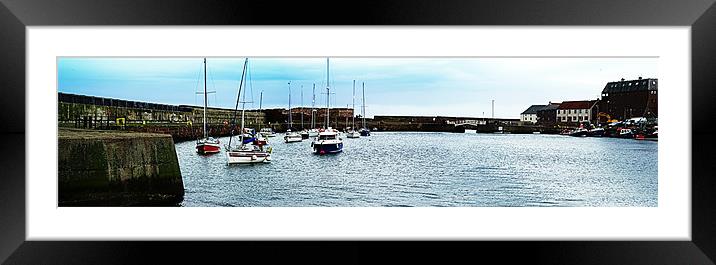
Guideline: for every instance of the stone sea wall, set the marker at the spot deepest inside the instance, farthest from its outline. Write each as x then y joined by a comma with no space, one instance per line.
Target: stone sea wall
114,168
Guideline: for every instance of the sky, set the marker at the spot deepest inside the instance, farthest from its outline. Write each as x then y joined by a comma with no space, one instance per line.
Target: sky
393,86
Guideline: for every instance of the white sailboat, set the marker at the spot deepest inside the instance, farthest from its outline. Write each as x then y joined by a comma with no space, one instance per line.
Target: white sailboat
304,132
313,132
328,141
248,150
291,136
364,131
352,133
265,132
260,137
207,145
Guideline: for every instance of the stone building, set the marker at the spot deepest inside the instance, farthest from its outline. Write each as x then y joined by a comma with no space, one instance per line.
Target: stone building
627,99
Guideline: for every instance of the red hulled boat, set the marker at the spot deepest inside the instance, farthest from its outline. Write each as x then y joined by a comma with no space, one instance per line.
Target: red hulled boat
207,145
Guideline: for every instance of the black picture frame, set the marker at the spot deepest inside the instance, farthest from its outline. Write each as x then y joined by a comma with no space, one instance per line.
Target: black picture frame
15,15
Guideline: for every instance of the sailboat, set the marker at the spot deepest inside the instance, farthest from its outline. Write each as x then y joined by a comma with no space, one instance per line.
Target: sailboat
291,137
260,138
304,132
352,133
207,145
327,141
313,132
364,131
247,151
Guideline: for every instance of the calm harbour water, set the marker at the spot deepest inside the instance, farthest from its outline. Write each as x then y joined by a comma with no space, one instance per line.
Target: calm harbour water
431,169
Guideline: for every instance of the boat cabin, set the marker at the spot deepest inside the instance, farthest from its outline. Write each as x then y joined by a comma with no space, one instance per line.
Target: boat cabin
327,136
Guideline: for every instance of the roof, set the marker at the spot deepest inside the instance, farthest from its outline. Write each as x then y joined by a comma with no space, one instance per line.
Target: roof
533,109
552,106
631,85
583,104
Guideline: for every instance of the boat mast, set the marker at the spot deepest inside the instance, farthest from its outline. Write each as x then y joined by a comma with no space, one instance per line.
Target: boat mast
206,135
301,107
328,95
243,104
354,105
243,111
233,123
363,105
313,108
290,120
261,100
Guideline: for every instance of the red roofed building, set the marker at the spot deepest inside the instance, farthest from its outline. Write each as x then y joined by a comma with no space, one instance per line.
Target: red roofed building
574,112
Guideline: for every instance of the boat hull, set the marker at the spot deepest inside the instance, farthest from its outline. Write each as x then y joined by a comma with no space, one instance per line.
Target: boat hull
207,148
327,148
293,138
261,142
596,133
239,157
353,135
304,136
579,134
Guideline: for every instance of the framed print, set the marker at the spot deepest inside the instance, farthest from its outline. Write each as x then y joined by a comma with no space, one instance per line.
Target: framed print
124,105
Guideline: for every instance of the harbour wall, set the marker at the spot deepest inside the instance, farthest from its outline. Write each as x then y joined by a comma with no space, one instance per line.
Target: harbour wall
181,122
456,124
115,168
185,123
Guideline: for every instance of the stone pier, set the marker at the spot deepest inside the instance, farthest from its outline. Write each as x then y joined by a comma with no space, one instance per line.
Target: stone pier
116,168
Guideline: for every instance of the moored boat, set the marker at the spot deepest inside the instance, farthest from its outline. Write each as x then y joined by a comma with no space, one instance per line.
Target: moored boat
313,132
625,133
250,150
292,137
579,132
351,133
364,131
328,141
304,134
207,145
267,132
596,132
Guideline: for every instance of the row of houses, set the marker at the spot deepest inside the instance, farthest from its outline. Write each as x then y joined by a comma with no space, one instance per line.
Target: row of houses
620,100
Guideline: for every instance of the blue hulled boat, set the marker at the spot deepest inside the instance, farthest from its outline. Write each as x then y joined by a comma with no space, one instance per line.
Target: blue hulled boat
327,142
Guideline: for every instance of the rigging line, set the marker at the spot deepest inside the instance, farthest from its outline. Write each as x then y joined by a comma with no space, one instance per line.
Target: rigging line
251,85
213,83
238,97
198,80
